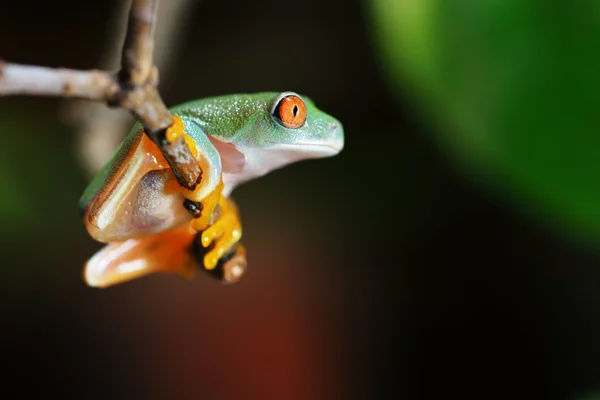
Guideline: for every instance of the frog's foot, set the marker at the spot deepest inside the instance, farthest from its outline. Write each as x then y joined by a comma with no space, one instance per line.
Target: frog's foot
230,268
222,235
176,131
165,252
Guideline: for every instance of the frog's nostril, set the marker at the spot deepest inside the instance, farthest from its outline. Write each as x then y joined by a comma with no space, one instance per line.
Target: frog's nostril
334,126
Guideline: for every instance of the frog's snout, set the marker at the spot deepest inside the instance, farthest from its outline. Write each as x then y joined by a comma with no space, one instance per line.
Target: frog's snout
336,141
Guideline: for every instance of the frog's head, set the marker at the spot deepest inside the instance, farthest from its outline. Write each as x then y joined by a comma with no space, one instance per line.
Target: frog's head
294,125
273,130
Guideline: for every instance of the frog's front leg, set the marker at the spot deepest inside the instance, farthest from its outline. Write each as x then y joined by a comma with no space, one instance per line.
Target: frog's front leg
223,234
219,226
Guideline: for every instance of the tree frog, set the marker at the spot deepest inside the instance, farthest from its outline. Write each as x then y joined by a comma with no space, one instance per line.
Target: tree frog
151,224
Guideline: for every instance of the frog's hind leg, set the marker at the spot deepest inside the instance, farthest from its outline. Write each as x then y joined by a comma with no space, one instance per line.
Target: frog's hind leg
166,252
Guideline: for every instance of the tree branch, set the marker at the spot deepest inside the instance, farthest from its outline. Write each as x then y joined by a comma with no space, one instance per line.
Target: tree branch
101,128
134,88
136,59
42,81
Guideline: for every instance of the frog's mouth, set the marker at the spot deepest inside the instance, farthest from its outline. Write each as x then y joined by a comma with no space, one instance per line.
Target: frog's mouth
309,149
316,150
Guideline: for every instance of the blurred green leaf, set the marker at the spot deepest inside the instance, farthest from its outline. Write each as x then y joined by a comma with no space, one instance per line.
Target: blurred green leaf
513,87
13,202
591,396
38,179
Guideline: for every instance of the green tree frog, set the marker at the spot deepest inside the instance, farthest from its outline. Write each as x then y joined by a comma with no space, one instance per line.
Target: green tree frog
151,224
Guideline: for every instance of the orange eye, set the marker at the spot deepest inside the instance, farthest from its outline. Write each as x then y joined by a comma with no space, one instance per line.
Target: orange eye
290,111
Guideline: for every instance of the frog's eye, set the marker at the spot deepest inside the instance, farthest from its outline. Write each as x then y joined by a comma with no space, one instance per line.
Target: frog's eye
290,111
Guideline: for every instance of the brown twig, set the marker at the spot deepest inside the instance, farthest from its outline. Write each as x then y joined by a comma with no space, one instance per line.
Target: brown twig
41,81
136,59
134,88
101,128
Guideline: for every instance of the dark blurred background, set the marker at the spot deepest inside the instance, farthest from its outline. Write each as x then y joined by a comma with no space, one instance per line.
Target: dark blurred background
451,249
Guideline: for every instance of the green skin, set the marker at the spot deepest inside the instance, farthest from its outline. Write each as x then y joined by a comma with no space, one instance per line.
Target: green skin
239,138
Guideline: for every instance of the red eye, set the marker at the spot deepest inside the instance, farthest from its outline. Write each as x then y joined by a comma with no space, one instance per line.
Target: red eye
290,111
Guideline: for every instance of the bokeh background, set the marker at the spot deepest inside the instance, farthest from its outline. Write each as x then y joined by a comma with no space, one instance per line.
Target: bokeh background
450,250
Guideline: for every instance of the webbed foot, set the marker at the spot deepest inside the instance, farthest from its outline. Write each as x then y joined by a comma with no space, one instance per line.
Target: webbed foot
230,268
222,235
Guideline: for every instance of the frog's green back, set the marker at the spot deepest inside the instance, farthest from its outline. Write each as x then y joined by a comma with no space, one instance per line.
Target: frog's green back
225,116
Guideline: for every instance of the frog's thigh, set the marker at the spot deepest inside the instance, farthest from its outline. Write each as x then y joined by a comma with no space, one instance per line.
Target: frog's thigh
166,252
